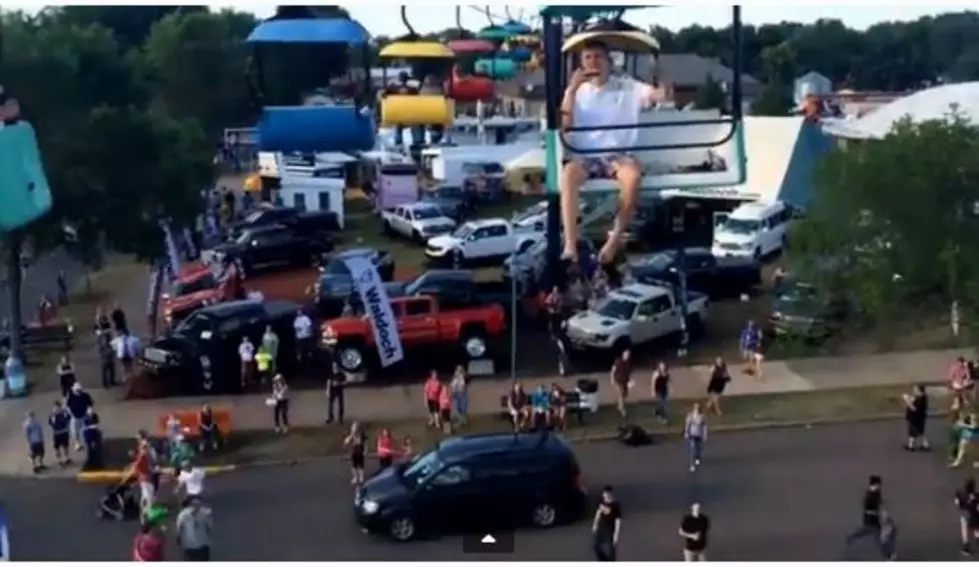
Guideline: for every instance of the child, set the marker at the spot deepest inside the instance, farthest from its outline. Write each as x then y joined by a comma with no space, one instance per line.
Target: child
407,450
35,441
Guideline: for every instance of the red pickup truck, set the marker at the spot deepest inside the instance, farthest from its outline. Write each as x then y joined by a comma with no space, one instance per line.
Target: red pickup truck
421,325
195,289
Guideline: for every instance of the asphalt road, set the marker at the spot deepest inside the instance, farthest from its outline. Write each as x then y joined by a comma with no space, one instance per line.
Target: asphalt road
784,495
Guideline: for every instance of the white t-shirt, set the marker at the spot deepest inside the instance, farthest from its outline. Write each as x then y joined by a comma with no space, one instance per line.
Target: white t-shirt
619,101
192,481
303,327
246,351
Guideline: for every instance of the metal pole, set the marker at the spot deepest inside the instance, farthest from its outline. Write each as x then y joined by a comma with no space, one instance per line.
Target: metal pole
513,316
16,381
553,67
681,276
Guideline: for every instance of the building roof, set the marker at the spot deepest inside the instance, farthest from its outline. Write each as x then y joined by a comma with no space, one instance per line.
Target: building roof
930,104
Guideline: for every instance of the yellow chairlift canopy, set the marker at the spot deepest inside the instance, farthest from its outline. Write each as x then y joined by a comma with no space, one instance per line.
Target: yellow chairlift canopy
628,41
416,50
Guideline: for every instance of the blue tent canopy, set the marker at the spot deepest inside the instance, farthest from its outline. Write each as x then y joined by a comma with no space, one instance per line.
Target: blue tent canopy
517,28
494,33
315,30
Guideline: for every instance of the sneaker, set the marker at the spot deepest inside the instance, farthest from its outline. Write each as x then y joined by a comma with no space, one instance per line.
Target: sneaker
693,468
697,462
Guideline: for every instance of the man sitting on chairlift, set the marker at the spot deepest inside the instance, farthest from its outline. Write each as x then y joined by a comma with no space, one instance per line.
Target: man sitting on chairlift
597,97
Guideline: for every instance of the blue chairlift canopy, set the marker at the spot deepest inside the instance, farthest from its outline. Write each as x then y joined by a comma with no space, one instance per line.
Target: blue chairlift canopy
521,54
313,30
494,33
583,12
517,28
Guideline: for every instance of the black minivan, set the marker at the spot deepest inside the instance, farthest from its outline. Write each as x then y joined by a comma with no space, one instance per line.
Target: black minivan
476,483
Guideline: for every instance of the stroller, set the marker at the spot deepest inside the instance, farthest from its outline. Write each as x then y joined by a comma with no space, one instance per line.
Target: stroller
119,503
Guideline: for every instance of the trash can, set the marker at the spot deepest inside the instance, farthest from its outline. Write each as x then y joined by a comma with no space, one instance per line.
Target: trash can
588,394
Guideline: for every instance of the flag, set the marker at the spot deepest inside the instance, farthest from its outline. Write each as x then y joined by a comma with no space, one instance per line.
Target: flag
173,255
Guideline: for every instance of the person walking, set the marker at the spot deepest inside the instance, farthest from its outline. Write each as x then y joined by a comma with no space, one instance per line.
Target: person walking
107,357
66,375
190,481
916,416
431,391
445,409
118,317
559,338
263,363
92,433
385,449
694,528
870,520
336,382
150,544
661,392
246,354
621,378
280,404
34,433
270,342
459,388
716,384
695,434
967,503
302,326
888,536
751,349
60,423
78,403
195,523
356,442
606,526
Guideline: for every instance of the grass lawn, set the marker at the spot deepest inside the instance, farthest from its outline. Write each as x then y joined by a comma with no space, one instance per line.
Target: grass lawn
247,447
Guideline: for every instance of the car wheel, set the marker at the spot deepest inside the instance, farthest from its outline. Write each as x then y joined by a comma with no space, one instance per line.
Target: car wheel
544,515
758,253
388,231
350,357
474,345
695,325
458,259
417,237
401,528
524,247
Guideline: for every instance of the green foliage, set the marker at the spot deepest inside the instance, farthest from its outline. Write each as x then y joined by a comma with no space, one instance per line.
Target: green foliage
892,223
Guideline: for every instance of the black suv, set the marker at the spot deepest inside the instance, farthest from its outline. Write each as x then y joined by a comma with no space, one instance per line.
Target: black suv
476,484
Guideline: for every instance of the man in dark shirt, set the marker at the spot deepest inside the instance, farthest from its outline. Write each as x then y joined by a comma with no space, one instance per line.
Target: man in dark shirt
621,379
107,358
694,528
967,501
873,504
606,526
661,392
335,383
916,414
118,317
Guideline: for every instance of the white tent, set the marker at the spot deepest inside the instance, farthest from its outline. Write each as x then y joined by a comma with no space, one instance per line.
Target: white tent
931,104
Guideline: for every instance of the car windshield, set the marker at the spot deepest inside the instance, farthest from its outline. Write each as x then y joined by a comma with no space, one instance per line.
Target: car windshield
200,283
421,469
659,261
463,231
741,226
254,216
797,292
532,211
425,213
196,326
617,308
450,192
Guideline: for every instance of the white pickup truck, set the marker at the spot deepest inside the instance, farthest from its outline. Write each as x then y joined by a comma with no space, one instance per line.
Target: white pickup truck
481,241
633,315
417,221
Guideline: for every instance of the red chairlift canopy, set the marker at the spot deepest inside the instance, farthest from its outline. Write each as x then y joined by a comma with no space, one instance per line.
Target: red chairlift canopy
461,46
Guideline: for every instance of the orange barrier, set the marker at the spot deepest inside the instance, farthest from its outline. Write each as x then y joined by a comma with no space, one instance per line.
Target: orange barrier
190,419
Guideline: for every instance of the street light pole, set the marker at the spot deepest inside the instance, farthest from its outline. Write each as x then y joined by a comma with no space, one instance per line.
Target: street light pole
513,316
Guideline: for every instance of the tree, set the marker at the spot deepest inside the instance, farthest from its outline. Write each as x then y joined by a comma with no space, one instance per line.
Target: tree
211,90
892,223
710,95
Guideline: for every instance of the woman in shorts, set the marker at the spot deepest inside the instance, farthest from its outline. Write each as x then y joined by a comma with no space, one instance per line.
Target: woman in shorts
432,388
355,442
445,408
621,379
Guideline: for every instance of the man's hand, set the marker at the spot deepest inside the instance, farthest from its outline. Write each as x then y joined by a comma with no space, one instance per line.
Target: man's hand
652,95
578,78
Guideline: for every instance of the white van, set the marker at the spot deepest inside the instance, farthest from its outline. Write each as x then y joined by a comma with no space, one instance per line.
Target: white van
753,229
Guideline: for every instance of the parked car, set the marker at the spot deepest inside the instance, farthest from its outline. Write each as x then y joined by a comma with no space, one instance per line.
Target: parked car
455,289
453,200
302,221
422,325
477,483
530,266
633,315
481,241
334,286
417,221
200,355
755,230
188,293
724,276
273,246
802,310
